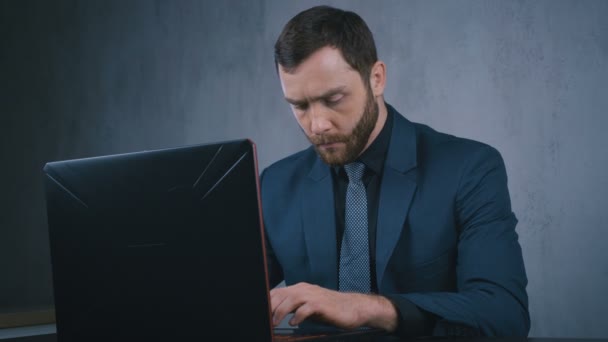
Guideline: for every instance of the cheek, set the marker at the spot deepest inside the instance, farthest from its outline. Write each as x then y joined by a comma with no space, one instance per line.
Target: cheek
351,111
349,119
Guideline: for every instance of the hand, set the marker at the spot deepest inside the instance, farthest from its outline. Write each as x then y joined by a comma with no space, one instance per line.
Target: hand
344,310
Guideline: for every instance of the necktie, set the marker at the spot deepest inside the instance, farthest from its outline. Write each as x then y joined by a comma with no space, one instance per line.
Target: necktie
354,272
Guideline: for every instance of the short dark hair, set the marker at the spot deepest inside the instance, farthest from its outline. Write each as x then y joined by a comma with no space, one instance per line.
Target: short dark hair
322,26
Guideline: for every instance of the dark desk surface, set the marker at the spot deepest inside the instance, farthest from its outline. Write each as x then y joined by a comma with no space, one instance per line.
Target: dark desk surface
53,338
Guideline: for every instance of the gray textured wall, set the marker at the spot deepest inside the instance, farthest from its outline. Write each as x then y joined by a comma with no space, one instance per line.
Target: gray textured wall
82,78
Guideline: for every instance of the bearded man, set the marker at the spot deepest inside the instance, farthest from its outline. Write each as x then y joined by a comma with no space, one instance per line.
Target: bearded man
383,222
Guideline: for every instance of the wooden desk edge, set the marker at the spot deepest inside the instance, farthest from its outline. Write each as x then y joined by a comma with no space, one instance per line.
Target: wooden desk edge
27,318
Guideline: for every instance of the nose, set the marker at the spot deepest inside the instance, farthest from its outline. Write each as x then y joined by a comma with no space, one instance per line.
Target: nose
319,120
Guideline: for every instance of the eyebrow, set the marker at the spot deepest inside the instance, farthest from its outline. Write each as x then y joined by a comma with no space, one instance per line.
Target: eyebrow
329,93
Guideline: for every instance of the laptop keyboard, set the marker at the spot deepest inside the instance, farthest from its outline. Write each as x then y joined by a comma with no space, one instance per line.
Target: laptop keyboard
295,335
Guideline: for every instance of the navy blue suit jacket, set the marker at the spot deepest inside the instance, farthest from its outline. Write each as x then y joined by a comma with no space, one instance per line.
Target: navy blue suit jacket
445,240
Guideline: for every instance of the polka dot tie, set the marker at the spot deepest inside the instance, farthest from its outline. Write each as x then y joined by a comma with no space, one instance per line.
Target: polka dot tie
354,273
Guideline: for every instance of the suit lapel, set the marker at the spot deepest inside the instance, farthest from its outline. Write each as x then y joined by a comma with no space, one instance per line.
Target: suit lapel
397,190
319,224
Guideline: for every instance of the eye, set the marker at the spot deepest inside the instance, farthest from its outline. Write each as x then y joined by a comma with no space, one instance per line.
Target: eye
300,106
334,99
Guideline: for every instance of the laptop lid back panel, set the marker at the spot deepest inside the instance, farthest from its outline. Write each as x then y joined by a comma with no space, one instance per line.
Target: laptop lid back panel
161,244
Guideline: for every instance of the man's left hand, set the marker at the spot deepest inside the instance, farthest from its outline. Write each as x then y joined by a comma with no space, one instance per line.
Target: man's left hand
343,310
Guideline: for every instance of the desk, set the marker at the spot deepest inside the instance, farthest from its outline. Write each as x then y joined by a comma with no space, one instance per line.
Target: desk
53,338
36,338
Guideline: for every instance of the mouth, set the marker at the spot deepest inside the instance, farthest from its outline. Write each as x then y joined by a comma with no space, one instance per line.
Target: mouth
330,145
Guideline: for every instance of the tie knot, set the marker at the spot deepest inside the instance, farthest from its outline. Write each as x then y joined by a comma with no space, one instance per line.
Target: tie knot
354,171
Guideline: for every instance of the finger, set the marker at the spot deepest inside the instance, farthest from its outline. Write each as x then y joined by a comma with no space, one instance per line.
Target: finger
276,298
276,290
288,305
303,312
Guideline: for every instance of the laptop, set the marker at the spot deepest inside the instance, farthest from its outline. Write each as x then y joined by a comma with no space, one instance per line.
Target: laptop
162,245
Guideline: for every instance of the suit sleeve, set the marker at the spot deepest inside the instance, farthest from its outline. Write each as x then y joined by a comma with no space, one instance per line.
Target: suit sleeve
275,272
491,297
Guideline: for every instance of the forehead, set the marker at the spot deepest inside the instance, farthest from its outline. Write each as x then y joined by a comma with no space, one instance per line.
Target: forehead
324,69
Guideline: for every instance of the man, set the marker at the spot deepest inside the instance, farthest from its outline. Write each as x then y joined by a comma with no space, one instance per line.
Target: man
383,222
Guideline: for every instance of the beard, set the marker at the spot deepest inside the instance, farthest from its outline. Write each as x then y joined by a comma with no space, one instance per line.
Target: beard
354,142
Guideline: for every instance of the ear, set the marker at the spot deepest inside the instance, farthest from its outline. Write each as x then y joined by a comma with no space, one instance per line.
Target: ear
377,78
